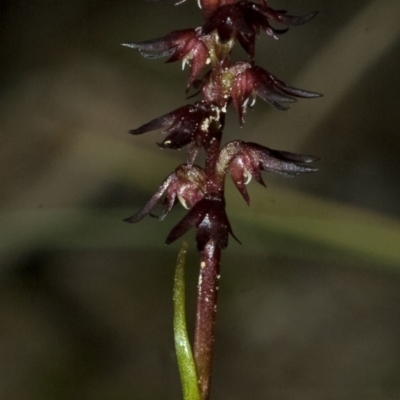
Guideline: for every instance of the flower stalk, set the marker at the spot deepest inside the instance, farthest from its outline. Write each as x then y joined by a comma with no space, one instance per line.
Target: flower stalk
197,127
206,315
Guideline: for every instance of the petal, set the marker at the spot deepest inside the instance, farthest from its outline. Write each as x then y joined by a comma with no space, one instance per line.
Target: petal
157,123
284,163
152,202
290,19
294,91
274,91
248,42
163,43
255,171
288,169
169,202
274,98
153,56
242,87
236,170
298,158
154,45
204,233
180,114
210,6
215,225
182,132
194,174
191,219
180,51
199,59
179,136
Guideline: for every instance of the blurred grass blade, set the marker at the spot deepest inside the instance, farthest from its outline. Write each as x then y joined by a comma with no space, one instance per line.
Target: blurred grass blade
187,368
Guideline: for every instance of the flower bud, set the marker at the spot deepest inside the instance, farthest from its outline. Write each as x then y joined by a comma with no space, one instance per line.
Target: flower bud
243,20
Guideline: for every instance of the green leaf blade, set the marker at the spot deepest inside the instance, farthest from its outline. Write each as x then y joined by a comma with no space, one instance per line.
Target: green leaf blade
187,368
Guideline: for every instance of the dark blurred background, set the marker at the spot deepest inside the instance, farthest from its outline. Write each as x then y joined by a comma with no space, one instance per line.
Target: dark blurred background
309,304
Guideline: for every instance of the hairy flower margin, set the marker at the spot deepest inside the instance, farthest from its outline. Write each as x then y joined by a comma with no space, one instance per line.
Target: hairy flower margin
200,125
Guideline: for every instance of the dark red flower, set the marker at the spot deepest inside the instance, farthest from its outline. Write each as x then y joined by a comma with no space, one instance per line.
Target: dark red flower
187,184
245,160
242,81
243,21
209,218
187,125
255,81
209,6
183,45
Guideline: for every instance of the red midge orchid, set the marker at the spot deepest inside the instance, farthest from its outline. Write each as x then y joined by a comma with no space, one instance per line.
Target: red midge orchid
186,45
207,50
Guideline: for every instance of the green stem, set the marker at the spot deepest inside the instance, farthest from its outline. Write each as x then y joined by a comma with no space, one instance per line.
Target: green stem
187,368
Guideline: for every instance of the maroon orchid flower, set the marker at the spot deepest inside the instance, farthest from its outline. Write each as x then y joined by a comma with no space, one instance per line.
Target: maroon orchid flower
183,45
187,125
210,6
187,184
255,81
209,218
245,160
242,81
243,21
